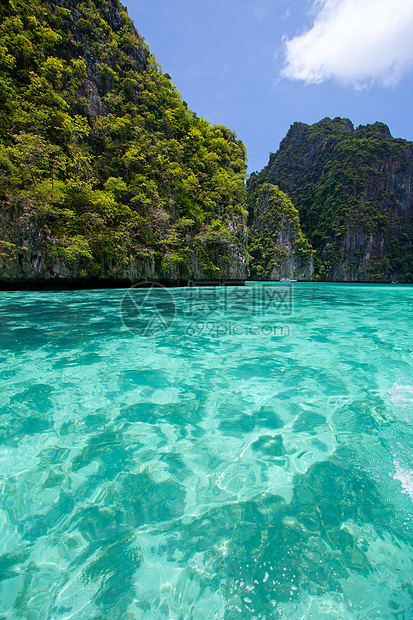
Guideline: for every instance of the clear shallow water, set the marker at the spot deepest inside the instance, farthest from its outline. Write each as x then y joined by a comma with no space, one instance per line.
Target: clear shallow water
254,460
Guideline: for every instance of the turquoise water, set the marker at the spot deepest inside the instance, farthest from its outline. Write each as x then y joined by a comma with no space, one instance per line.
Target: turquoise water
207,453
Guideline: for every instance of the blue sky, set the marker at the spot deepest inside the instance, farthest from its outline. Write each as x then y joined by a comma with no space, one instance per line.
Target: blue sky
257,66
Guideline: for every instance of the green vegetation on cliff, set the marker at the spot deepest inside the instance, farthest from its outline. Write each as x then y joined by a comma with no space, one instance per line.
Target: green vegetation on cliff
101,163
352,189
274,234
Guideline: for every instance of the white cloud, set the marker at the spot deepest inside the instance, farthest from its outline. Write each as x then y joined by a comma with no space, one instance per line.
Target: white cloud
353,41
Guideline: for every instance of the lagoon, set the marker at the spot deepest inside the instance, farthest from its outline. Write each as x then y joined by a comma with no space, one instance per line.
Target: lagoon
201,453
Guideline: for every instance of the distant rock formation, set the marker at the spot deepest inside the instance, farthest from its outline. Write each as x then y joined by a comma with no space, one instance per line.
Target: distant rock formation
278,249
353,190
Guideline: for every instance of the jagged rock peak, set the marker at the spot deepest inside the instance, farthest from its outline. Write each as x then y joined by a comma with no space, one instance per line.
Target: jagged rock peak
326,124
375,129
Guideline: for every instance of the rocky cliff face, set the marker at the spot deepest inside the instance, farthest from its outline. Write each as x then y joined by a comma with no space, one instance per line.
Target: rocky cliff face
353,189
27,258
105,175
277,246
289,263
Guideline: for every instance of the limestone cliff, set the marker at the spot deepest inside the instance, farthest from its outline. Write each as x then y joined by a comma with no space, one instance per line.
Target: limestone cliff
278,249
353,189
105,175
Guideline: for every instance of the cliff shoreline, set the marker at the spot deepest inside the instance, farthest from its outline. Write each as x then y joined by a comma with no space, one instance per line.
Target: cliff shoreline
77,284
